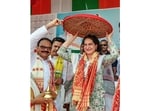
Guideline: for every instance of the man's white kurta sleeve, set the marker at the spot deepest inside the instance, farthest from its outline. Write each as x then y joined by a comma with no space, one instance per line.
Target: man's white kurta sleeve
35,37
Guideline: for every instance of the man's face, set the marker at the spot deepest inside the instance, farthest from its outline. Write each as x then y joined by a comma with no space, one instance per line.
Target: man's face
104,46
55,47
44,49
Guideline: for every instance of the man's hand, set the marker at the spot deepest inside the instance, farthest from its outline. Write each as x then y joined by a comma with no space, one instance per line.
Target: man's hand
74,102
40,99
58,81
53,23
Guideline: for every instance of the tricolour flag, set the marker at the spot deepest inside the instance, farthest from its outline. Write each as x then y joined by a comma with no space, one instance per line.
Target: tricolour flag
56,6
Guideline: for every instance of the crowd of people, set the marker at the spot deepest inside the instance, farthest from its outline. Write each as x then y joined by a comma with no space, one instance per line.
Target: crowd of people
81,80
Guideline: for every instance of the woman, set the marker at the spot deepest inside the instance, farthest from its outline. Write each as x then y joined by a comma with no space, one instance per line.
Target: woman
88,92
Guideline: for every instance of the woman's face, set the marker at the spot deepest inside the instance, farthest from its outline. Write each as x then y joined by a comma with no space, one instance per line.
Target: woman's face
89,46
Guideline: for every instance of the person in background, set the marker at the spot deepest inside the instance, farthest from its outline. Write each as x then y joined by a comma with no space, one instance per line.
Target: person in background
42,71
116,98
114,68
87,88
108,77
61,71
118,65
105,50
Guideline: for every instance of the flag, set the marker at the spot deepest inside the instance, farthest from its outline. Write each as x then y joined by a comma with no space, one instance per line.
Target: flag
84,4
56,6
40,7
108,3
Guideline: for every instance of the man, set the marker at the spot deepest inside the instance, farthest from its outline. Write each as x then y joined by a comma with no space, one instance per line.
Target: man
108,77
41,68
104,50
61,71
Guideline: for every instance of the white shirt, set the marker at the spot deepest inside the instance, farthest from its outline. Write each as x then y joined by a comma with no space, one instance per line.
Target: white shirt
35,37
46,74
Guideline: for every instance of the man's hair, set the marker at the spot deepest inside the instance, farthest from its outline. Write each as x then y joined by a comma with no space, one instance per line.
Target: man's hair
43,39
59,39
104,40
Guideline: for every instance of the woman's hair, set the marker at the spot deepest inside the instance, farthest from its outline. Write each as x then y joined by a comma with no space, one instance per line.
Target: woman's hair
94,39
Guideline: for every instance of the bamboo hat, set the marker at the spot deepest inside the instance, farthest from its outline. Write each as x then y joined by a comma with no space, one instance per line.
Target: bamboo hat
86,24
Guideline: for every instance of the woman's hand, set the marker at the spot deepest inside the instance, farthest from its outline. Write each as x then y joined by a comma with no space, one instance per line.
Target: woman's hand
109,36
70,39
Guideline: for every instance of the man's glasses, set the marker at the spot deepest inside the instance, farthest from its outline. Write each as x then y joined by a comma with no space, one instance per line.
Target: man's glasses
103,44
44,47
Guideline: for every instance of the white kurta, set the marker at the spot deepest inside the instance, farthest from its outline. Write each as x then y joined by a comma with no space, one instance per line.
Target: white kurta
36,93
35,37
